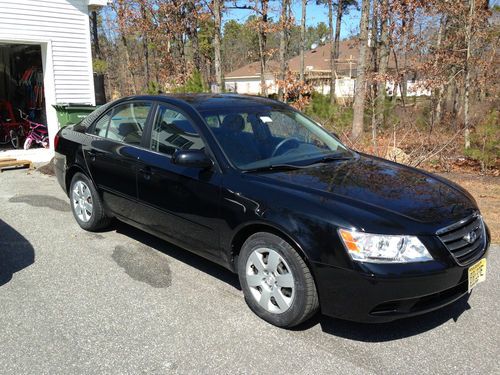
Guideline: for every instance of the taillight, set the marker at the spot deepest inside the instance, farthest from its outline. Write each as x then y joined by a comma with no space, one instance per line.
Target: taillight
56,141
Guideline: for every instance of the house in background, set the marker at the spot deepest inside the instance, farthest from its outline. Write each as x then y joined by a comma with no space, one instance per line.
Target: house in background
45,56
246,80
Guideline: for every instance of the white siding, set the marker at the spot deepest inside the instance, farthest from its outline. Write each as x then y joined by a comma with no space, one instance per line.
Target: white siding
64,24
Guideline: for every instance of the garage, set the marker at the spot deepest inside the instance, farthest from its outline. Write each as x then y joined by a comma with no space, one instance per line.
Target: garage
22,94
45,60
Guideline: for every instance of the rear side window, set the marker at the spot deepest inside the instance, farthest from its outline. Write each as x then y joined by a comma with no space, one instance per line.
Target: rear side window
125,123
172,131
101,126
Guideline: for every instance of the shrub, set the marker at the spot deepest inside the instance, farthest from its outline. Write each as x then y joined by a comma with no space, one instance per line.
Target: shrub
485,141
334,117
193,84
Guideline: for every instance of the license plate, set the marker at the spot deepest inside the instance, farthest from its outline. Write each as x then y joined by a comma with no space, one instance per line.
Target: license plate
477,273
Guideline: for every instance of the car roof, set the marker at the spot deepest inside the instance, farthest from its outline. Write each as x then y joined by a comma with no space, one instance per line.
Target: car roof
207,102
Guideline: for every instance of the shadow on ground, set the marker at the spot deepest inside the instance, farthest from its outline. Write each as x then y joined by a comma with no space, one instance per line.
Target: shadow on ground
16,252
182,255
350,330
396,330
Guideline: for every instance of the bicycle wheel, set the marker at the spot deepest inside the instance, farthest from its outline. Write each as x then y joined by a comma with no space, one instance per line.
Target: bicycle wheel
27,143
14,138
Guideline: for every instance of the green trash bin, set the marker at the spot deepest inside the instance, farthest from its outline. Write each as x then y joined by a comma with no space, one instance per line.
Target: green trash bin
73,113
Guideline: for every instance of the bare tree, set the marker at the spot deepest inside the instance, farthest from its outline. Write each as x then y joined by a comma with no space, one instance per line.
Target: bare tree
302,40
217,11
359,98
384,51
262,32
468,43
284,25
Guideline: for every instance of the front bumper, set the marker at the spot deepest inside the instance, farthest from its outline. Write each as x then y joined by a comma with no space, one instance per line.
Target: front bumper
387,292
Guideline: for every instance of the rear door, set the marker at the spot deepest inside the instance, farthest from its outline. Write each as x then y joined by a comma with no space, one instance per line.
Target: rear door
112,157
179,203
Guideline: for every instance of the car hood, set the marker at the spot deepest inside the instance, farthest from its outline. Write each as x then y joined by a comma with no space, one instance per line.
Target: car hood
378,184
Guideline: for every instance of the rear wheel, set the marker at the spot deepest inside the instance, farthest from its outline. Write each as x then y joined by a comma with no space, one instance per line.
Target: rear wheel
14,139
86,204
277,284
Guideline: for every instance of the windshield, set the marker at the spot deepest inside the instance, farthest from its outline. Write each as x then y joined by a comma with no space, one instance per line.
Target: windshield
254,139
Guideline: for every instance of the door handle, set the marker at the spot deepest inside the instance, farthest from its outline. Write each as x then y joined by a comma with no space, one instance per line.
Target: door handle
92,155
146,172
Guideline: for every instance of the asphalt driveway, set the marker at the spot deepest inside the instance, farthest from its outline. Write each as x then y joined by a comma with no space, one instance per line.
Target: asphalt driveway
122,301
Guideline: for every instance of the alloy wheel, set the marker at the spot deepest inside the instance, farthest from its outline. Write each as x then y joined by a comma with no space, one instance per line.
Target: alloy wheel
82,201
270,280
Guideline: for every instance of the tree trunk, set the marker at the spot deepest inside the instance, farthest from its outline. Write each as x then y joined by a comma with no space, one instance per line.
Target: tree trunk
374,69
468,41
336,46
384,51
95,35
283,48
193,35
262,46
145,46
439,92
359,97
332,57
302,40
217,4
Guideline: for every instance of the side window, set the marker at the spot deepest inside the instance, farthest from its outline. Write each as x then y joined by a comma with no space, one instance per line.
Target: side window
172,131
101,126
126,123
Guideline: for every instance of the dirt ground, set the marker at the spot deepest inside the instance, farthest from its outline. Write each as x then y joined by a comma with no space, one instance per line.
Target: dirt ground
486,191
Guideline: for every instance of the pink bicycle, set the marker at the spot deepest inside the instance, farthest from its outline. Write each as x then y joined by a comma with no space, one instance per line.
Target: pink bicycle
38,133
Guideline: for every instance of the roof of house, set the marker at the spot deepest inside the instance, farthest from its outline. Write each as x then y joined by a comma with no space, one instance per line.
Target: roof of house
316,60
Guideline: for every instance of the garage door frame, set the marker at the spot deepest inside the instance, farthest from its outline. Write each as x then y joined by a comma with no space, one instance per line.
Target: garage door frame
48,79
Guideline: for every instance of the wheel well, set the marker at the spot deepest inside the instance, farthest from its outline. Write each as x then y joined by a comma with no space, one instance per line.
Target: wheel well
240,238
69,175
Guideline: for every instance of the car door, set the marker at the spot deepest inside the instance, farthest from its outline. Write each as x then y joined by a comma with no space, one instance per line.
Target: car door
112,157
179,203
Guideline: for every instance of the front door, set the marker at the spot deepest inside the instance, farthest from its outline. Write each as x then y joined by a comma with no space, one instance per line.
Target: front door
112,157
179,203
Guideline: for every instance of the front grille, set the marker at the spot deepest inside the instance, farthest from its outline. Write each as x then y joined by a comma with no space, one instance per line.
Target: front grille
465,240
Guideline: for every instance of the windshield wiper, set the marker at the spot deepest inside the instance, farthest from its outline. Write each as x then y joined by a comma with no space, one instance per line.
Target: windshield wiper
330,158
273,167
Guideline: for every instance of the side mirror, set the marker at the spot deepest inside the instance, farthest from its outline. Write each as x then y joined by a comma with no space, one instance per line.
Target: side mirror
192,159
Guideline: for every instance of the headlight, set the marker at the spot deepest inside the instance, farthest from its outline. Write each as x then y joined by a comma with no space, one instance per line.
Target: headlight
381,248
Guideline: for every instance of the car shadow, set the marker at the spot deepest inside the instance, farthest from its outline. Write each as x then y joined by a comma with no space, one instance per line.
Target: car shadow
342,328
16,252
178,253
381,332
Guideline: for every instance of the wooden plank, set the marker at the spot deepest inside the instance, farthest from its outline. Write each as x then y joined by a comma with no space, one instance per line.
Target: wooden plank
14,164
7,159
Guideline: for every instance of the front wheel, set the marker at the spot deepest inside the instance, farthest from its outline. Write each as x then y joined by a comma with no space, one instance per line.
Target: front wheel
86,204
277,284
27,143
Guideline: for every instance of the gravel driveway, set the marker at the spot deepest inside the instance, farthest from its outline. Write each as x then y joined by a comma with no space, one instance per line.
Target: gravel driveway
122,302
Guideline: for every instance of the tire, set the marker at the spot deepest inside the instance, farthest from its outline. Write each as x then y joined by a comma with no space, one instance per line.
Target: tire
14,138
282,291
20,131
27,143
86,204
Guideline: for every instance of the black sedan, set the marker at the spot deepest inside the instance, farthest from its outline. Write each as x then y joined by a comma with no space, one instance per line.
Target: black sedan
256,186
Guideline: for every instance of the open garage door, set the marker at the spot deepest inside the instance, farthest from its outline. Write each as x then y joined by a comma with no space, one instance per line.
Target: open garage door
22,96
